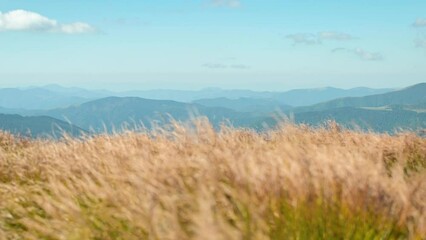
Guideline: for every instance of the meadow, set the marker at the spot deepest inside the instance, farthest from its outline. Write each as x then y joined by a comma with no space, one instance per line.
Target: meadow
190,181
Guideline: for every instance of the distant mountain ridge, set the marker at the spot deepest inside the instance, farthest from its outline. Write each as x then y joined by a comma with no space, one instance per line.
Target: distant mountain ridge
55,96
77,92
385,112
298,97
35,99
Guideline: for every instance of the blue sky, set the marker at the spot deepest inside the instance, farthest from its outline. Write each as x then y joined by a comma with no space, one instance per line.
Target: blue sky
192,44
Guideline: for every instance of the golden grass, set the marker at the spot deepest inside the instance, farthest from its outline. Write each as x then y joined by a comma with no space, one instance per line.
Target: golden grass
196,183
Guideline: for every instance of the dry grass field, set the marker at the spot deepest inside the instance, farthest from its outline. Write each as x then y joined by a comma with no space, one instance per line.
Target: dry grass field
192,182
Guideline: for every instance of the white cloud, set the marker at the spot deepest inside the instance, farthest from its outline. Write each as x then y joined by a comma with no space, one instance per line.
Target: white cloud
215,65
420,22
21,20
76,28
239,66
368,56
226,3
362,54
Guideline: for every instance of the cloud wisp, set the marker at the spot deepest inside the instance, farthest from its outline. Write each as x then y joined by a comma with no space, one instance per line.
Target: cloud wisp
26,21
362,54
226,3
226,66
126,22
335,36
326,36
420,22
420,43
304,38
318,38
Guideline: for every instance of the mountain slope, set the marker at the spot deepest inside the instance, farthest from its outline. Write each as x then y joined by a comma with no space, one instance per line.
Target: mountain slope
37,126
408,96
245,104
77,92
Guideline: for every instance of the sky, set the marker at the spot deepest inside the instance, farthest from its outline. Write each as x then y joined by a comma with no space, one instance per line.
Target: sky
194,44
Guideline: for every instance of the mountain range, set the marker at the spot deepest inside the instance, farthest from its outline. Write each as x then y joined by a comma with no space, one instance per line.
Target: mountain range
75,109
113,113
298,97
55,96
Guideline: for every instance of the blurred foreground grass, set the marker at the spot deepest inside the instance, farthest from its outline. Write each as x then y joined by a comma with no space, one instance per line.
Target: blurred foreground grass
293,182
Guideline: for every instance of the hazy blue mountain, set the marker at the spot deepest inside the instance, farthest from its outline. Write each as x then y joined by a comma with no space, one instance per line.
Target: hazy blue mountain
376,120
35,98
189,96
37,126
55,96
380,112
112,112
408,96
252,105
78,92
17,111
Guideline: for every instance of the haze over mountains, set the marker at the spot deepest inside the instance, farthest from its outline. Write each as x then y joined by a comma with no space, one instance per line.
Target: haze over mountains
112,112
36,99
381,110
55,96
37,126
245,104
